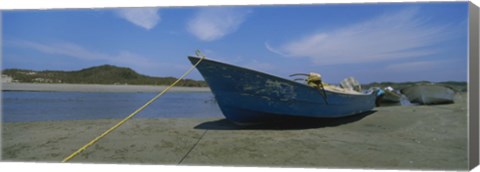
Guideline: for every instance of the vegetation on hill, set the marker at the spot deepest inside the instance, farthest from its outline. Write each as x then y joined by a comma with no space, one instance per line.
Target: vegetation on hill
105,74
455,85
109,74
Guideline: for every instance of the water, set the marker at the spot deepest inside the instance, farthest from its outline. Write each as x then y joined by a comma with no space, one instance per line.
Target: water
48,106
405,102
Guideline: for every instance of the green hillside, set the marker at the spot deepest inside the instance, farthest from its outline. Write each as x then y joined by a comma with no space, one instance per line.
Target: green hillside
457,86
109,74
105,74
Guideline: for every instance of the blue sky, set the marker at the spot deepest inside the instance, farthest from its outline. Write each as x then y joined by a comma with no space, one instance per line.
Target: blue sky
371,42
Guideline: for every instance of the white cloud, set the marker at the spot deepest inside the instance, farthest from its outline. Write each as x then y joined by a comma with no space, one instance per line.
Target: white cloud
213,23
391,36
271,49
75,51
143,17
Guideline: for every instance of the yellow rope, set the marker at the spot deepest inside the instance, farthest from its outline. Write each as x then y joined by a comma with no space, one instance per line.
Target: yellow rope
133,114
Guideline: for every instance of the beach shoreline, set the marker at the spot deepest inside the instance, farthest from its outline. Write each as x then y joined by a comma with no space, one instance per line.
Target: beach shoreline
394,137
95,88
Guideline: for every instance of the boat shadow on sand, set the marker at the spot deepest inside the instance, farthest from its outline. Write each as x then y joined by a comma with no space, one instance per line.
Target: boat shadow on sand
286,123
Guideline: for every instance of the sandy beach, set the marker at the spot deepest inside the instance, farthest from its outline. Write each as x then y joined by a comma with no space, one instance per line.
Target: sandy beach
95,88
395,137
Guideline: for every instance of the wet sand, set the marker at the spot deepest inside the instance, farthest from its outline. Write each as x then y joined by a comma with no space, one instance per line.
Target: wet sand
394,137
95,88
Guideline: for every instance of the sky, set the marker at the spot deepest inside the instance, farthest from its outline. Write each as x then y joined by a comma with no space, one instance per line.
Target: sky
375,42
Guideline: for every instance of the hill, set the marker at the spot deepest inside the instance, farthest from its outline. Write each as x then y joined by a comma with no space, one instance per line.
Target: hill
457,86
104,74
109,74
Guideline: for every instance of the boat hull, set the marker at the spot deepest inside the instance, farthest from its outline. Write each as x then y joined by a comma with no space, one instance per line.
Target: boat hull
391,97
429,94
246,96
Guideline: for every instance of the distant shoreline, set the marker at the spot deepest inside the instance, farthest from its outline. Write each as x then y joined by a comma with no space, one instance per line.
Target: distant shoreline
94,88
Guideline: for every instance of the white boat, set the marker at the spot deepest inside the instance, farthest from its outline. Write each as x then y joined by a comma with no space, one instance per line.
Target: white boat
391,96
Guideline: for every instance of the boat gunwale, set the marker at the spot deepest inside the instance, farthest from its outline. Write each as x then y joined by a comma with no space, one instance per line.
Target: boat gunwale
279,78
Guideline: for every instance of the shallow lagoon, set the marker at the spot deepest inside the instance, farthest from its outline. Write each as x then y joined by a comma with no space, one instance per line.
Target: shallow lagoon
48,106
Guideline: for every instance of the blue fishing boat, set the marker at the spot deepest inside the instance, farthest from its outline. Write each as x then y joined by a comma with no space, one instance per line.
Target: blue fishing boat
247,96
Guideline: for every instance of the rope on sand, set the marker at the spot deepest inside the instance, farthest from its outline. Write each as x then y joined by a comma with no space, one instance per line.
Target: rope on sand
195,145
132,114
